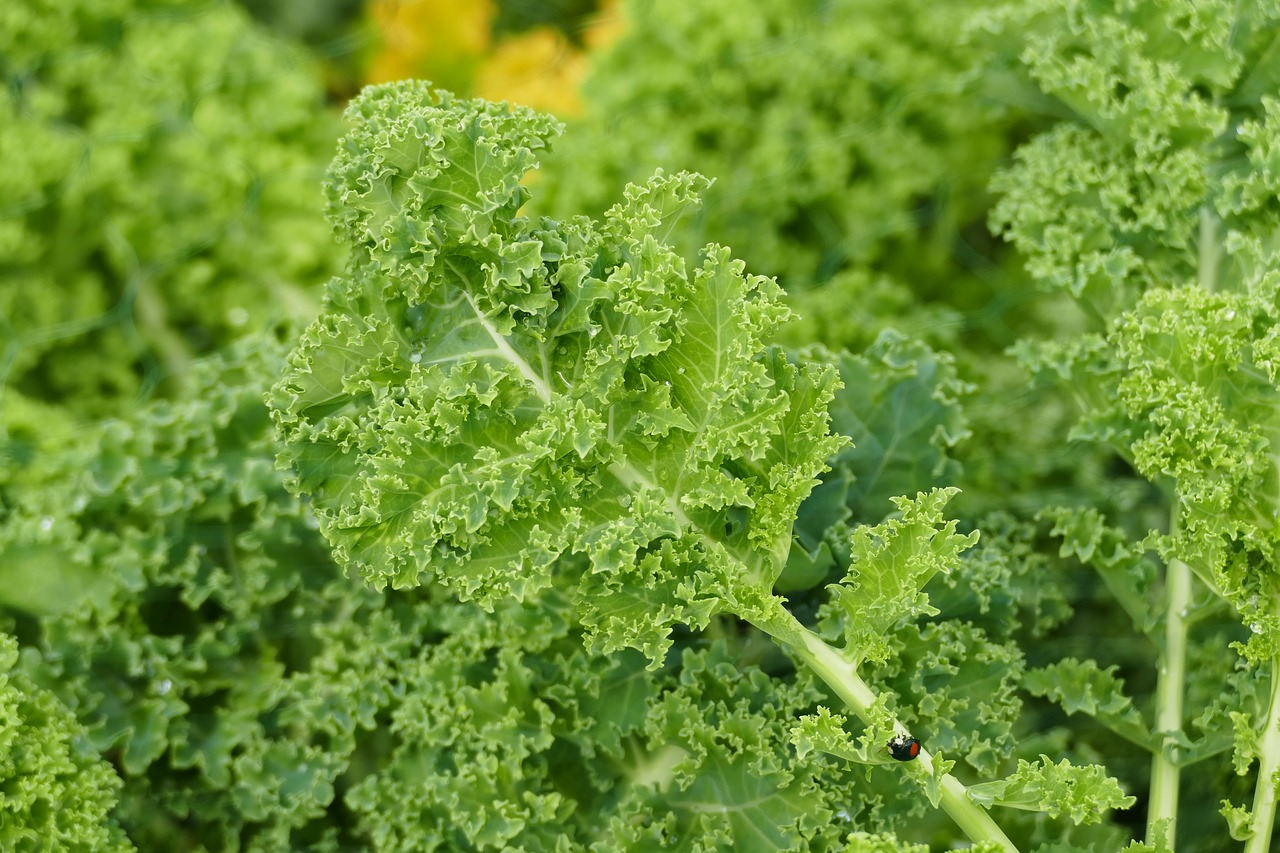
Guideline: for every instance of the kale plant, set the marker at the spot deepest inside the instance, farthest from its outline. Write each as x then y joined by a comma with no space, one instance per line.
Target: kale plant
555,530
505,406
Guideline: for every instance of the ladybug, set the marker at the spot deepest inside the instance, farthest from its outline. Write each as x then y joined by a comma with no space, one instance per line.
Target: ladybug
904,748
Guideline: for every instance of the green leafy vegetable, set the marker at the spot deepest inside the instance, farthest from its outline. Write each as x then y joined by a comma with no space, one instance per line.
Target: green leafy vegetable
560,529
1152,203
58,794
507,406
1082,793
158,198
811,178
572,390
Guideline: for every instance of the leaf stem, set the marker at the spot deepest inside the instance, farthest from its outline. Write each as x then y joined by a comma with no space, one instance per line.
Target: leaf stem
1210,251
1162,813
1264,795
842,677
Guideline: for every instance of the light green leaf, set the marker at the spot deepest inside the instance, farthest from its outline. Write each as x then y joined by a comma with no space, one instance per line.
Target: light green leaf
58,794
485,395
1082,687
890,564
1081,794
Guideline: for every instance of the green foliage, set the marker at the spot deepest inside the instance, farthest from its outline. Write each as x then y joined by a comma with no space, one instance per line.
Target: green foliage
1215,354
600,418
563,532
899,403
57,792
248,690
1166,102
158,198
1152,203
889,566
901,408
810,177
188,613
1081,793
861,842
572,389
253,696
1081,687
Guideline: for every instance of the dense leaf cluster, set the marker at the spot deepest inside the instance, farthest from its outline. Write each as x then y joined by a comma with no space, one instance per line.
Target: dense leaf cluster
158,197
250,695
58,793
511,393
556,529
1153,203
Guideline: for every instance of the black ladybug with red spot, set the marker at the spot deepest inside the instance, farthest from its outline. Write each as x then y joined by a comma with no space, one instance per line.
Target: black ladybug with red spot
904,748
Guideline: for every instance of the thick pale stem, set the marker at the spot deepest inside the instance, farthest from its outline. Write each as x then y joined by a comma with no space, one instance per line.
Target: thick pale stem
1210,251
841,676
1165,774
1264,796
1162,812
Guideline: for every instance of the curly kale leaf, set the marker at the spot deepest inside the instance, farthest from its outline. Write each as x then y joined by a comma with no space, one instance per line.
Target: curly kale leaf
889,567
1163,102
1152,202
484,395
179,599
183,604
58,794
1202,386
1081,794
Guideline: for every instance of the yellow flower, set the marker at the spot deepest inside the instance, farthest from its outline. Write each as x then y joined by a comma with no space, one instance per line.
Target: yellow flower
604,27
538,68
439,40
450,43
